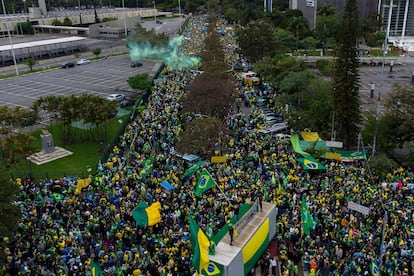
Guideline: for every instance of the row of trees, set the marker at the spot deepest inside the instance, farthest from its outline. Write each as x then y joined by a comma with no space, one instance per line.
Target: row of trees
287,31
12,142
91,110
207,101
331,101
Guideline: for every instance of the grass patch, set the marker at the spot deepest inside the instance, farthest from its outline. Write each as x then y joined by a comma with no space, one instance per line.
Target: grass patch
84,156
82,162
28,72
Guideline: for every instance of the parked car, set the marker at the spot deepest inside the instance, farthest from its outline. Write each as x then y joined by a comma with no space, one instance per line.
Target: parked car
136,64
276,128
82,61
282,138
68,64
242,66
116,97
127,102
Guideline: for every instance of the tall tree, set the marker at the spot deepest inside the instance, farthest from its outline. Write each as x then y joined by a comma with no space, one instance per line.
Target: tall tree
9,212
256,40
346,81
326,25
298,25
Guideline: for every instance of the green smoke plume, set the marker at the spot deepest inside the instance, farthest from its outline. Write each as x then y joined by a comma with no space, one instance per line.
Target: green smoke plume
170,53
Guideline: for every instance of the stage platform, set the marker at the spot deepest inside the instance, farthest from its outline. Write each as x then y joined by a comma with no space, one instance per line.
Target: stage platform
249,244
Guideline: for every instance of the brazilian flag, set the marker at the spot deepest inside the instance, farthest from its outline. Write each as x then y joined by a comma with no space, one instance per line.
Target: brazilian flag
191,170
307,220
310,163
96,269
147,166
200,245
205,181
374,268
211,269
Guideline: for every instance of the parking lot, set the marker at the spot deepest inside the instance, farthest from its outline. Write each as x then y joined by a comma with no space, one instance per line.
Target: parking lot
101,78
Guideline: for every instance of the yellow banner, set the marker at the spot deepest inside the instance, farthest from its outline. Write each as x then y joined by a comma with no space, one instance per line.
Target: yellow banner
256,241
153,213
333,155
310,136
218,159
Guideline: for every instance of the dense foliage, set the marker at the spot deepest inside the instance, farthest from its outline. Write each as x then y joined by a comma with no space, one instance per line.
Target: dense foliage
346,78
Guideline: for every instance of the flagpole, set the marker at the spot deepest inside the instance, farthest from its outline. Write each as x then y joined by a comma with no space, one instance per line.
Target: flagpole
228,200
384,226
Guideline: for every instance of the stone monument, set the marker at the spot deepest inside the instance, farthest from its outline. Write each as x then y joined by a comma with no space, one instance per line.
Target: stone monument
47,142
49,151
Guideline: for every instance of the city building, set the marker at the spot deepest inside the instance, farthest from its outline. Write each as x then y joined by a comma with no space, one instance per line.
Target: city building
366,8
397,21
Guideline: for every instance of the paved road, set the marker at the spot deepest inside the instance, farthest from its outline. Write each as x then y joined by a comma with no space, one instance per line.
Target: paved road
383,80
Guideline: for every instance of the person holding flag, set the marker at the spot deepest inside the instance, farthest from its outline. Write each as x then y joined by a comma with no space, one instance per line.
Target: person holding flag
307,220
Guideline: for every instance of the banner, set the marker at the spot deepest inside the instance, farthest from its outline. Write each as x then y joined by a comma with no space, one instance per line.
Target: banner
218,159
310,136
294,139
358,207
350,156
255,247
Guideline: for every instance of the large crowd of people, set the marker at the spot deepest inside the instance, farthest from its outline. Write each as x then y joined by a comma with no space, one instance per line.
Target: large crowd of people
66,229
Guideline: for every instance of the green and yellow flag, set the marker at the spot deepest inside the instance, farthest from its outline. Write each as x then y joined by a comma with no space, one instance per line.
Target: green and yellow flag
191,170
145,215
205,181
307,221
96,269
147,166
310,163
200,245
374,268
211,269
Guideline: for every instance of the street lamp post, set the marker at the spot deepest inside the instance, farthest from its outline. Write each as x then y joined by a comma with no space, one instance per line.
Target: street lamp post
10,40
374,142
372,89
391,65
125,27
155,14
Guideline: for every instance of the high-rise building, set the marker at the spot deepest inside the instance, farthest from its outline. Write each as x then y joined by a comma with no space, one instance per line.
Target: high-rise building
366,8
398,21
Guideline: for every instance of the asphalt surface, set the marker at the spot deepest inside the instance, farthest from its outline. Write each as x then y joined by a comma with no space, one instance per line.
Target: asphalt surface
384,79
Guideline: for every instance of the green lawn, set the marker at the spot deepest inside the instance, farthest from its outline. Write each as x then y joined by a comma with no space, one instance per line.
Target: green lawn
82,162
84,156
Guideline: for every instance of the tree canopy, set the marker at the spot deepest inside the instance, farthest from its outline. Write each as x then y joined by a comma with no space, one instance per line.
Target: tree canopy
86,108
9,210
346,83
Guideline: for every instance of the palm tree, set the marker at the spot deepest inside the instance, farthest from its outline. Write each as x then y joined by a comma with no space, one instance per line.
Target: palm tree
297,25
